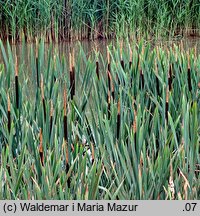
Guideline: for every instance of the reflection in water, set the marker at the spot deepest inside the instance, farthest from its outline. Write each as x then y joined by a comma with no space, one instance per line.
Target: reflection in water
63,49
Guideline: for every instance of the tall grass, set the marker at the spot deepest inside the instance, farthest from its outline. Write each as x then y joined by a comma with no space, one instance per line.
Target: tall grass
85,19
142,143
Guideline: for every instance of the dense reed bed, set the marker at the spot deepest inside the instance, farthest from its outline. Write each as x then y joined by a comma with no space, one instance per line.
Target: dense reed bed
121,127
85,19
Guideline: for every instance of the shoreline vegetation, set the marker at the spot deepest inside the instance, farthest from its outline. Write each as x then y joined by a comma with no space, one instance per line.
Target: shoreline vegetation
121,126
69,20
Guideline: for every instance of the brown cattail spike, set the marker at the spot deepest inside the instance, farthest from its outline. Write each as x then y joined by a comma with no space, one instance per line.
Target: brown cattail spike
97,68
66,133
170,77
92,146
141,74
67,164
41,148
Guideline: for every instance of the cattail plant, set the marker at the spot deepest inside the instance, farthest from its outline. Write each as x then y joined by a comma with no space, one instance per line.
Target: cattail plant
65,115
43,98
141,72
9,114
72,74
93,152
167,104
118,118
37,65
170,77
108,70
16,83
109,103
134,124
156,72
189,73
67,166
97,68
51,116
97,61
109,83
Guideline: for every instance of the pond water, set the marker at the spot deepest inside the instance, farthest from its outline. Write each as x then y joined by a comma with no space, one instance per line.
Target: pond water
23,52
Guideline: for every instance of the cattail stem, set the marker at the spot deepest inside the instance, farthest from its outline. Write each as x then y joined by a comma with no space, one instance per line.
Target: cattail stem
157,81
73,81
189,74
66,133
109,70
72,74
65,115
65,127
9,115
51,117
16,83
167,104
37,65
43,98
37,71
109,105
118,119
109,80
134,125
